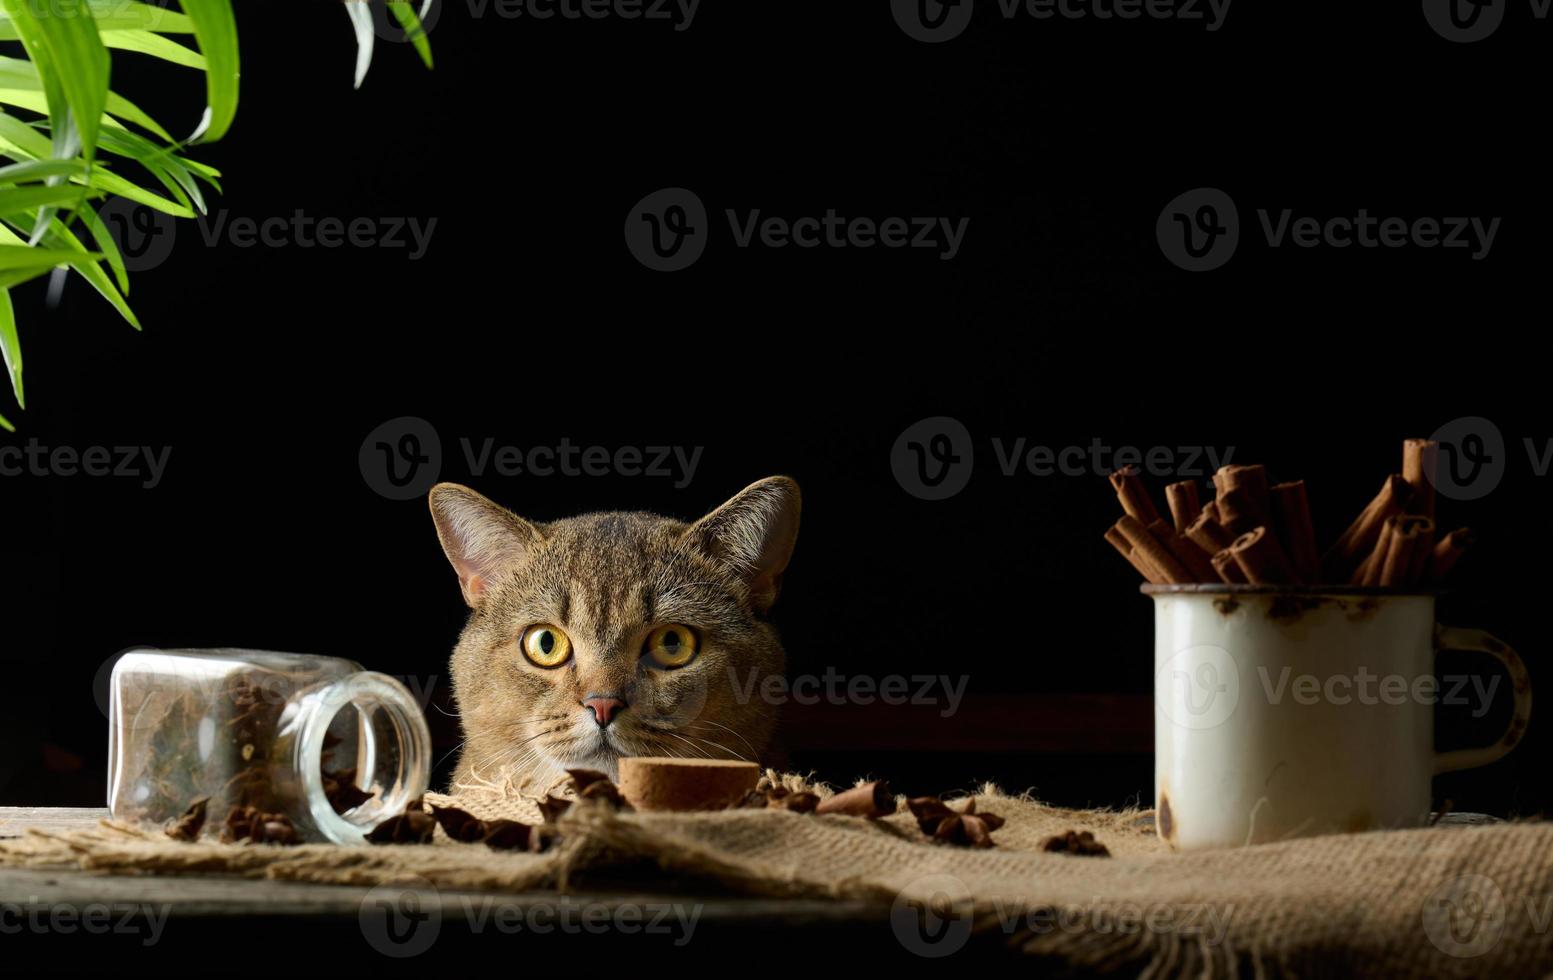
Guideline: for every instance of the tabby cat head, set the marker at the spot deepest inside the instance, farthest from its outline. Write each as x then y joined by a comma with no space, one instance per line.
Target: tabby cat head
613,634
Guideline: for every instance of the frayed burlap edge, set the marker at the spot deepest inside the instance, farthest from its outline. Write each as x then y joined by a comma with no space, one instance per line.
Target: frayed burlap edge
1348,904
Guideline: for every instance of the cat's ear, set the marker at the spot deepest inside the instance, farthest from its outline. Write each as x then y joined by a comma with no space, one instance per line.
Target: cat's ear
479,537
754,533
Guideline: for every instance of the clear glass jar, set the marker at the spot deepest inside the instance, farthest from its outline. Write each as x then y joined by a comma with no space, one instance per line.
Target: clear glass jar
280,732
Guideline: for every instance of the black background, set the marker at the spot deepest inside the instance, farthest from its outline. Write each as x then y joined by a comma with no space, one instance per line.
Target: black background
528,321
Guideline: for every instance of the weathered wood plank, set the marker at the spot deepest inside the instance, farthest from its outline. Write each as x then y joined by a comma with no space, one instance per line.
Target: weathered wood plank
17,820
212,896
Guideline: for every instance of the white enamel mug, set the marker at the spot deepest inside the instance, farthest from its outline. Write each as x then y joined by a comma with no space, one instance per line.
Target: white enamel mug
1284,712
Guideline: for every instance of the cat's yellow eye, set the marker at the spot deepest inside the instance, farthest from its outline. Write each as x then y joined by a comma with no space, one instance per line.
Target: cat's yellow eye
546,645
670,646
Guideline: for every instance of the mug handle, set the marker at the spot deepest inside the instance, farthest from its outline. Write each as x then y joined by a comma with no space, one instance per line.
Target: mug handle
1478,641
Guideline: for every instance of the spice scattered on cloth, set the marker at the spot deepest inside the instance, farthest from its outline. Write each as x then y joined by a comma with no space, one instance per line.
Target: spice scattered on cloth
188,826
1080,842
964,827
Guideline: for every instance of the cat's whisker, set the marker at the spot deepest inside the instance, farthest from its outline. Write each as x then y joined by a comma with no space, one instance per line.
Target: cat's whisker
693,745
722,747
708,721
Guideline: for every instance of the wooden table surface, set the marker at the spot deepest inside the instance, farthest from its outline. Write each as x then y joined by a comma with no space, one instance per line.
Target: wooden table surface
166,924
158,924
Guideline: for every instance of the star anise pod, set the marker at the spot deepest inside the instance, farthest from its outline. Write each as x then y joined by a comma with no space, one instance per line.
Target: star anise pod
802,801
460,825
239,823
188,826
966,827
551,808
251,823
501,835
510,835
413,826
779,798
1075,842
341,791
589,784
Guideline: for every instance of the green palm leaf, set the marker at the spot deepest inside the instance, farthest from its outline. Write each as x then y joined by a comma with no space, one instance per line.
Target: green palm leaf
92,142
215,27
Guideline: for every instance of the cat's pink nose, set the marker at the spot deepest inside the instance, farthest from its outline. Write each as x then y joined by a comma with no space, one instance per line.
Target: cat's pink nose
604,709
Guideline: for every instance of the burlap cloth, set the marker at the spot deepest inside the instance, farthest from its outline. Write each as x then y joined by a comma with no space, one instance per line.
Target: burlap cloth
1461,901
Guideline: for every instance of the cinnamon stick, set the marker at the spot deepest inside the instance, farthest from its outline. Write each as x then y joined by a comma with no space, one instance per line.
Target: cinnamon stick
1208,534
1152,551
1260,557
1359,539
1229,571
1368,572
871,800
1184,506
1296,532
1238,512
1449,551
1408,533
1191,557
1252,483
1134,496
1422,555
1120,543
1420,464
